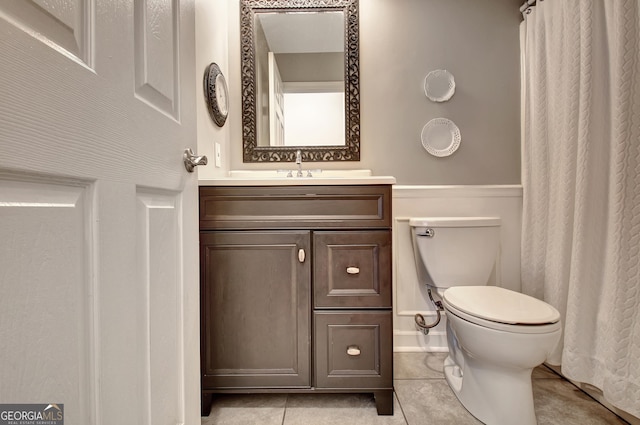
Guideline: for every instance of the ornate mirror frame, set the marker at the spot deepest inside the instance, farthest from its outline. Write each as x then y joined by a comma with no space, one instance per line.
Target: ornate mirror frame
251,151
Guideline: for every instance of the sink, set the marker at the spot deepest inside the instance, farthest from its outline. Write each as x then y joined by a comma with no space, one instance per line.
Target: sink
282,173
279,178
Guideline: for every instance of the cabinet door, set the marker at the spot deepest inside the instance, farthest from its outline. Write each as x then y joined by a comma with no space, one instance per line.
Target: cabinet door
255,309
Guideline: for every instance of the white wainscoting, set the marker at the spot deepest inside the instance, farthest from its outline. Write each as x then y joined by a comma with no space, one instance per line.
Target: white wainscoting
410,296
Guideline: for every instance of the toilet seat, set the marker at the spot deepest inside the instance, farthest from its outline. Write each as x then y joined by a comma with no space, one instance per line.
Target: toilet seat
501,309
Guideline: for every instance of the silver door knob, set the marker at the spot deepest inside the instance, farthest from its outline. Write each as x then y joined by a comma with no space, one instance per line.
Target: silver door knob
191,160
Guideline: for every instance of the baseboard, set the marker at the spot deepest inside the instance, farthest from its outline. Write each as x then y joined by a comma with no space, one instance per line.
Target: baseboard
421,350
417,342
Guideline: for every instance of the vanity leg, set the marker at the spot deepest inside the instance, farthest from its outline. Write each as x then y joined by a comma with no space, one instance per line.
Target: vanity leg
205,407
384,402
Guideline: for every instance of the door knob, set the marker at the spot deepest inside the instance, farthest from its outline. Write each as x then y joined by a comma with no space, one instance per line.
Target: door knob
191,160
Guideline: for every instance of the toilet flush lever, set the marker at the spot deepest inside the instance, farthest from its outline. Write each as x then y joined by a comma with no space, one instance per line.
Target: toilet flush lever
428,232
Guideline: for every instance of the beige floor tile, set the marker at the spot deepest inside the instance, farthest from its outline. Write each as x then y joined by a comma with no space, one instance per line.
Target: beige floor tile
431,401
338,409
418,365
543,372
422,397
254,409
557,401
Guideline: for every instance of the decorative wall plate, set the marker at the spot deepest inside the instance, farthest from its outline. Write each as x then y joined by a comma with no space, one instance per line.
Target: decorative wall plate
439,85
440,137
216,94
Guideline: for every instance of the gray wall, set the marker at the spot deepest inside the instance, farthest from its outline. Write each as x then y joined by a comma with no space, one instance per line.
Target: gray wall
306,67
400,42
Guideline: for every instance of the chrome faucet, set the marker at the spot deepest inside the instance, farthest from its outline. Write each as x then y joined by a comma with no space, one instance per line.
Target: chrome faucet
299,162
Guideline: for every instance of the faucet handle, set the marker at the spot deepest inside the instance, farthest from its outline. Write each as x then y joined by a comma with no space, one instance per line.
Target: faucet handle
299,162
289,172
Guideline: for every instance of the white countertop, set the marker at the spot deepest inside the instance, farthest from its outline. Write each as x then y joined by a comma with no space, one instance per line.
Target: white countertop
278,178
297,181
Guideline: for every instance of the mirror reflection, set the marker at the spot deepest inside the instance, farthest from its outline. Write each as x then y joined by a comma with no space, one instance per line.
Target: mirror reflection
300,78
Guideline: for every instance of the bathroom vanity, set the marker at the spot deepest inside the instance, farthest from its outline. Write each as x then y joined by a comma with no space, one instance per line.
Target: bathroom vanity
296,289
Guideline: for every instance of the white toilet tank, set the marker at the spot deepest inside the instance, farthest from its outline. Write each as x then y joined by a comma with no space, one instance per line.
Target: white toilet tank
455,251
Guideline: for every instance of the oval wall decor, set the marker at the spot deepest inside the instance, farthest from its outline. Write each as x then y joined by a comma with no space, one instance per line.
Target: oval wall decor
216,94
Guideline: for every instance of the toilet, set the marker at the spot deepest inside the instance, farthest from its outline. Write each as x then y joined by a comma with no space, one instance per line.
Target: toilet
495,336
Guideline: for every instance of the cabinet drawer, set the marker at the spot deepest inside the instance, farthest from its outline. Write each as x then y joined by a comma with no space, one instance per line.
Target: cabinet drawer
353,349
295,207
352,269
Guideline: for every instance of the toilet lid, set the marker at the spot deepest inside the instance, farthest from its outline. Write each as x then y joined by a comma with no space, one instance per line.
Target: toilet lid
501,305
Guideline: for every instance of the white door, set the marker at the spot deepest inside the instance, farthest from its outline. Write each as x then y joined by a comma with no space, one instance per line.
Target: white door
98,222
276,103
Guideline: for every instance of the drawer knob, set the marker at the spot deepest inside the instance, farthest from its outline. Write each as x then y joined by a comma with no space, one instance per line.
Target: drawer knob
301,255
353,270
353,350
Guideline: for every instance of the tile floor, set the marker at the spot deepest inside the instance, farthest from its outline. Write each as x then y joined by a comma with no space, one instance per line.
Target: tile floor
422,397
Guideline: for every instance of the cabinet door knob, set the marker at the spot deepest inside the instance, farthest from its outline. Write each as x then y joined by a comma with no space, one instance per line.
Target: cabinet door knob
301,255
353,270
353,350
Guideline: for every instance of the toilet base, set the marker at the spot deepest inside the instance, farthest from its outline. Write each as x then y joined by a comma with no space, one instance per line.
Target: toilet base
493,395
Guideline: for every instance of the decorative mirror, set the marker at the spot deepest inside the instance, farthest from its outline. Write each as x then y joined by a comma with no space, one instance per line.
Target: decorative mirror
439,85
300,80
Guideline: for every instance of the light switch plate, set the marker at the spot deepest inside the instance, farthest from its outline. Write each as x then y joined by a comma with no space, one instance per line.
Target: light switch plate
218,155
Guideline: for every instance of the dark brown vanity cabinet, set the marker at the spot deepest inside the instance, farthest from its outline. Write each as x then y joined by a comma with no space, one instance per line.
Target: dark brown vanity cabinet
255,302
296,290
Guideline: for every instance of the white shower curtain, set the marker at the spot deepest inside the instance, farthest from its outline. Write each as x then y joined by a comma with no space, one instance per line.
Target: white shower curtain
581,178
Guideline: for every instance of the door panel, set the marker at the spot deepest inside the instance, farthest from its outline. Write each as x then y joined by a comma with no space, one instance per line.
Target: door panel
98,220
64,25
161,316
46,312
157,67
